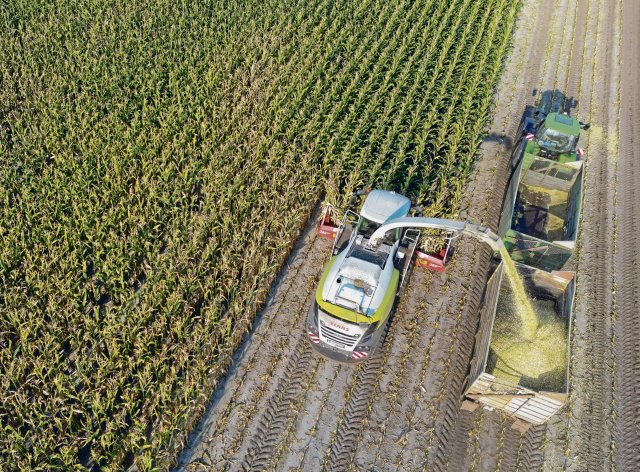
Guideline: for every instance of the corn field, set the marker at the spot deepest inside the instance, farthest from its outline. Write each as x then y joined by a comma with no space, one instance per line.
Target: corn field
158,161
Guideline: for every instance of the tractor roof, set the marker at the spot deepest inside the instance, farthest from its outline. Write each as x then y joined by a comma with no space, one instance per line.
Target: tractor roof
381,205
565,124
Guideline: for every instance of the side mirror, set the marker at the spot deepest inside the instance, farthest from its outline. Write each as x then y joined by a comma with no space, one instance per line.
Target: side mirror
358,193
418,210
585,126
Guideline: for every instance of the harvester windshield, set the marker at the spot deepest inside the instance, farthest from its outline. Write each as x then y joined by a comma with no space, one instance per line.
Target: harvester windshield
555,140
367,228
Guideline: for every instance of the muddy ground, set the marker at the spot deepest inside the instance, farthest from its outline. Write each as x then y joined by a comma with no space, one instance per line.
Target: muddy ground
282,407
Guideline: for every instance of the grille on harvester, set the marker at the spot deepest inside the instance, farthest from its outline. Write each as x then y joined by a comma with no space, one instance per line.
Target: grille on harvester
338,338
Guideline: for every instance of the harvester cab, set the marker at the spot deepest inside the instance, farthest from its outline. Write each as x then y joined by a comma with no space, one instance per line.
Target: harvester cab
372,256
379,207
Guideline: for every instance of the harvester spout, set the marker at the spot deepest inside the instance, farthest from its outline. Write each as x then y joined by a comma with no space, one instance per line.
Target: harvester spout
483,233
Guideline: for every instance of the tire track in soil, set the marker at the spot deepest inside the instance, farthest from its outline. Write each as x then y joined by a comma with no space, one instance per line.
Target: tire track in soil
532,453
626,432
353,413
553,34
594,300
572,84
483,435
303,435
257,362
555,442
416,427
511,451
523,67
556,63
466,425
293,379
491,439
325,426
278,414
474,449
460,350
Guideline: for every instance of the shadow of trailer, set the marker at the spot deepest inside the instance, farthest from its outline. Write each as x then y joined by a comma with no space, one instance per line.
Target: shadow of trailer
521,355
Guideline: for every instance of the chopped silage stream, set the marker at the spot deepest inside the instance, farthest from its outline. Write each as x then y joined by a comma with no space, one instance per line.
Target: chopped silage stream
529,341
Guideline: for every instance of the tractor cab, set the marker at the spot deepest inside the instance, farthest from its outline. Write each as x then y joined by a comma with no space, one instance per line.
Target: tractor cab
558,134
554,136
548,131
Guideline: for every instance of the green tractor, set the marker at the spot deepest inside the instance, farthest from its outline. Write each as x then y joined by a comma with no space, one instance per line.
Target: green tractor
550,131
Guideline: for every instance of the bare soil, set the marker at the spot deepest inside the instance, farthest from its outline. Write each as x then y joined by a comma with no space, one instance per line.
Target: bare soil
282,407
597,67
